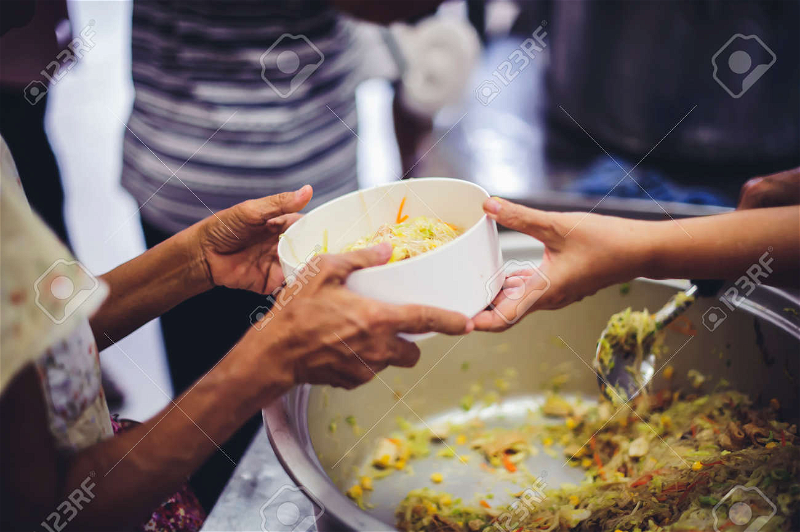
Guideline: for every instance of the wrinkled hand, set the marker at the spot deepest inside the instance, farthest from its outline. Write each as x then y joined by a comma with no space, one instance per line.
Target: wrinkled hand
322,333
774,190
583,253
239,246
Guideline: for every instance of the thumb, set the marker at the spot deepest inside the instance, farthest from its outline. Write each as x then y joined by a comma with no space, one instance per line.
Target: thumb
346,263
533,222
269,207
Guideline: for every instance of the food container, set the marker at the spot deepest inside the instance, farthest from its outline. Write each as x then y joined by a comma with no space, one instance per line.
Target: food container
755,347
463,275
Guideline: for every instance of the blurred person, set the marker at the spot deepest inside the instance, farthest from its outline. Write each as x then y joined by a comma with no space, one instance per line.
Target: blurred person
28,44
34,34
58,451
240,99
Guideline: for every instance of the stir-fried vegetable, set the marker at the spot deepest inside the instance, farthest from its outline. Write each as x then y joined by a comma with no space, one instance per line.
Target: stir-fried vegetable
409,237
663,468
666,467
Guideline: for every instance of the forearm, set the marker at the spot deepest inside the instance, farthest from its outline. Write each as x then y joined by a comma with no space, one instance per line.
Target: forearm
724,246
136,470
149,285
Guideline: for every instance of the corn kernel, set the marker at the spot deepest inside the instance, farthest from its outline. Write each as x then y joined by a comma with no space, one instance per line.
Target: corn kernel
461,439
586,463
432,509
464,459
366,483
669,371
445,500
436,478
547,442
570,422
384,460
573,500
666,421
697,466
355,492
771,445
400,464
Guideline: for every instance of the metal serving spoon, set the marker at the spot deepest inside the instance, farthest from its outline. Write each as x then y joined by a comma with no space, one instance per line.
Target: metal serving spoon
617,371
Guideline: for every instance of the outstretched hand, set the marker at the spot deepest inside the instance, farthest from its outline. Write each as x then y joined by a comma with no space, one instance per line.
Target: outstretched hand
239,246
583,253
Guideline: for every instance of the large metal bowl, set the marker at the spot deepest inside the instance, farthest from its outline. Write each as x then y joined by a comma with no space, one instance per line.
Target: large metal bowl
755,347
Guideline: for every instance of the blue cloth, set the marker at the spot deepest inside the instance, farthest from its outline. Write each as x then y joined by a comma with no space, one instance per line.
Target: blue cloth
604,173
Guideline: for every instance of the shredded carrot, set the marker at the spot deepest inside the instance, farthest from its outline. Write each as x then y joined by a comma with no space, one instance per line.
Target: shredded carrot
400,217
394,441
641,481
484,503
783,439
683,325
707,464
508,464
694,431
703,478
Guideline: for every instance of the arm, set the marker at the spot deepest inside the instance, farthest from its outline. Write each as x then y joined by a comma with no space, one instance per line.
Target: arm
311,340
585,252
235,247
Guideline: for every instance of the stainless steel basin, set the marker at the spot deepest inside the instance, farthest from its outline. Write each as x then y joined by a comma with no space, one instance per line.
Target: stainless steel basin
755,347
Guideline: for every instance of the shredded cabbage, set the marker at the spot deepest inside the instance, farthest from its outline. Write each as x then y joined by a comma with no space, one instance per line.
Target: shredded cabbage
409,238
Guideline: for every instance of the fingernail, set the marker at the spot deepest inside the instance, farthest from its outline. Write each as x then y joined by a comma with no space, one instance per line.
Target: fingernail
384,250
492,205
470,327
300,192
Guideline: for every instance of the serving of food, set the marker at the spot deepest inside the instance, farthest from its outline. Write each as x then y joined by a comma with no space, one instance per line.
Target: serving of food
410,237
672,462
437,221
678,459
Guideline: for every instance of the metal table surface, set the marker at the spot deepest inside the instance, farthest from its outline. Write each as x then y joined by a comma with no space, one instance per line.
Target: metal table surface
260,496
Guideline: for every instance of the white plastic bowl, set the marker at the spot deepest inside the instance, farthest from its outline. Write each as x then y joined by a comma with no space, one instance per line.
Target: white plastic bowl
463,275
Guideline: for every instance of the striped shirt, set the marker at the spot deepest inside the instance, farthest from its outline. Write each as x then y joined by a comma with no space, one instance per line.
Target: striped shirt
205,111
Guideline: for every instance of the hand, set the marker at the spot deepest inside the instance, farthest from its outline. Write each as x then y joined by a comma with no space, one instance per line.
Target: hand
239,246
326,334
583,253
774,190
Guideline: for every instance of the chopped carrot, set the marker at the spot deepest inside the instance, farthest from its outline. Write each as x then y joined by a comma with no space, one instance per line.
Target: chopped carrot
641,481
683,325
394,441
400,216
484,503
508,464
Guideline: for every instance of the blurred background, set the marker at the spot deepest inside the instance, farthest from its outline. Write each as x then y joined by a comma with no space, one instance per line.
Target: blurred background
650,109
